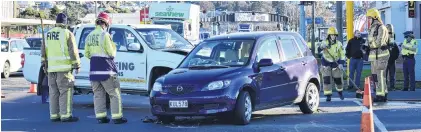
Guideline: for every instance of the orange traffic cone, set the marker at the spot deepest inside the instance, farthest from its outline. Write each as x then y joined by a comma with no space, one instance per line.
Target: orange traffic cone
367,124
33,88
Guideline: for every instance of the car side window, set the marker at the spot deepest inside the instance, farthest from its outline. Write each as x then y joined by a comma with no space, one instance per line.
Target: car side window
14,44
269,50
85,33
290,49
301,44
122,38
4,46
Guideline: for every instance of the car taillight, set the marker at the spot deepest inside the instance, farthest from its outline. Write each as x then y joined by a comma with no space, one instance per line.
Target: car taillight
22,56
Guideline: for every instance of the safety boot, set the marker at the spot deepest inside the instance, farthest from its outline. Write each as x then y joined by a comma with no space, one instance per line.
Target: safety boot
70,119
120,121
379,99
55,120
103,120
341,95
328,98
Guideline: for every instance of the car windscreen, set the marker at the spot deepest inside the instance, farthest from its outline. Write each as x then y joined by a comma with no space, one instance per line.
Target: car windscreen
159,38
219,53
4,46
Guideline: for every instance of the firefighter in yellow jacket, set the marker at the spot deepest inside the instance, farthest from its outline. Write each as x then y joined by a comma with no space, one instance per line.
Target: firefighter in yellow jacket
60,57
378,53
101,50
333,58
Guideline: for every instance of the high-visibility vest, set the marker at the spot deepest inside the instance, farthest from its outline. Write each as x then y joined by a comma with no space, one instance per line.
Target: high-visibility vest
412,47
57,50
335,50
101,51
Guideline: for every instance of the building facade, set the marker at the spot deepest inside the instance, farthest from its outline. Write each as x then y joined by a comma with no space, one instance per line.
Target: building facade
396,13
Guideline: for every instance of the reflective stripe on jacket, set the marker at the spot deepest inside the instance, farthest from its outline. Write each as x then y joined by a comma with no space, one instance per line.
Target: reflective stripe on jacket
101,51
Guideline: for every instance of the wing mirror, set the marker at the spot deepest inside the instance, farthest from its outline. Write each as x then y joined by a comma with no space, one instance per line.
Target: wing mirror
265,62
135,47
14,50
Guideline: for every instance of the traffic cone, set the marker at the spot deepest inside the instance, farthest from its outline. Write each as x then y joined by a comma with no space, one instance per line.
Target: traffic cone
32,88
367,124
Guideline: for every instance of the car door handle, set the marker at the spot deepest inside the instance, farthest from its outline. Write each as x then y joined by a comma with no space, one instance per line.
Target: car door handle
81,55
304,62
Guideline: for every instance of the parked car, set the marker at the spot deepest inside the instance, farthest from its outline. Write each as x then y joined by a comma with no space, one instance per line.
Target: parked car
234,74
144,52
11,56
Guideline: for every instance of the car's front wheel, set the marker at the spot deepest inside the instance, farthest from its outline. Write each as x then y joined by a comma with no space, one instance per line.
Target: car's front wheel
243,109
6,70
310,102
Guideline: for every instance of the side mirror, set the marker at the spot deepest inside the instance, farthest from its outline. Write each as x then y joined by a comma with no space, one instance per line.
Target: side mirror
14,50
135,47
265,62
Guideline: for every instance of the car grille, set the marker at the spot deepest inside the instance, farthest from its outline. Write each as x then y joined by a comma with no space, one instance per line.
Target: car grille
180,89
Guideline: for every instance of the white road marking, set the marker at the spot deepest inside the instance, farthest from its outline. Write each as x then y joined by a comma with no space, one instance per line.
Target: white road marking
376,120
13,119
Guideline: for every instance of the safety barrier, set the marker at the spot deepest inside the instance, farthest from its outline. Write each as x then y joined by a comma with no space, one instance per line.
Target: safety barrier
367,124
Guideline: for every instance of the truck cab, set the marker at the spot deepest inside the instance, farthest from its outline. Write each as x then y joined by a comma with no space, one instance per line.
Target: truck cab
182,17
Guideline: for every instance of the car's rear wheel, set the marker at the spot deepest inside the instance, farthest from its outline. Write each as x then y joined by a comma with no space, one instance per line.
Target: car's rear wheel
310,102
243,109
166,119
6,70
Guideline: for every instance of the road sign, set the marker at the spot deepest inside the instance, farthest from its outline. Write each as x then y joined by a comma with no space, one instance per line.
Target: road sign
411,9
318,20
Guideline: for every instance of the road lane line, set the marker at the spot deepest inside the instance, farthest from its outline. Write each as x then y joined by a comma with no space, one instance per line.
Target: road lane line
376,120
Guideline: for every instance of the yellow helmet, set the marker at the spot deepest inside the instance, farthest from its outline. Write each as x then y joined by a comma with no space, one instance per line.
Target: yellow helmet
332,30
374,13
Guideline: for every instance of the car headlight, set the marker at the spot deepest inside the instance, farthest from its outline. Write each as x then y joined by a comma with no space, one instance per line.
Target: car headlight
218,85
157,87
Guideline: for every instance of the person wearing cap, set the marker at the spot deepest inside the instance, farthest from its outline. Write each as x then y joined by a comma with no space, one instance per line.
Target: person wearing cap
60,58
101,51
378,53
409,49
333,59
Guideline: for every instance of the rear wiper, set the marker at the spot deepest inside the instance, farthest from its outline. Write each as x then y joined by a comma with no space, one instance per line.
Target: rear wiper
208,67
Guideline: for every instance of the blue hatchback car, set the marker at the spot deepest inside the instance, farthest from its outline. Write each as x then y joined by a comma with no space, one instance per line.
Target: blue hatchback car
235,74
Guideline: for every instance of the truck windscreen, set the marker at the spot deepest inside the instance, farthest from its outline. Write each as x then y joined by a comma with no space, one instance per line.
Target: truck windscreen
176,26
159,38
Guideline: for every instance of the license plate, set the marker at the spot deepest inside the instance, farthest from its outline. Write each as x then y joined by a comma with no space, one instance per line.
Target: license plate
179,104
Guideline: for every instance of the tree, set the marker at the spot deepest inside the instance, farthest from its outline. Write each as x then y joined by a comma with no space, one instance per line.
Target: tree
206,5
53,12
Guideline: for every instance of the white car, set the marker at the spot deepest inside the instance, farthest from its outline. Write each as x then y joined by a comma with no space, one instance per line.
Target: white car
11,56
144,53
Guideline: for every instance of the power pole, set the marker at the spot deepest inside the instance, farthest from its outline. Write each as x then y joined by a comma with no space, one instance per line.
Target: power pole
339,20
303,21
312,28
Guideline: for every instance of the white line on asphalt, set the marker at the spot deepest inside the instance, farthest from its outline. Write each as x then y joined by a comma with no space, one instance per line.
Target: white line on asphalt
12,119
376,120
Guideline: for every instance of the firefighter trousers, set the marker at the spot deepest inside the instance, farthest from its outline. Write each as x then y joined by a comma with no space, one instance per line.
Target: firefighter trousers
61,94
100,89
330,76
378,73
